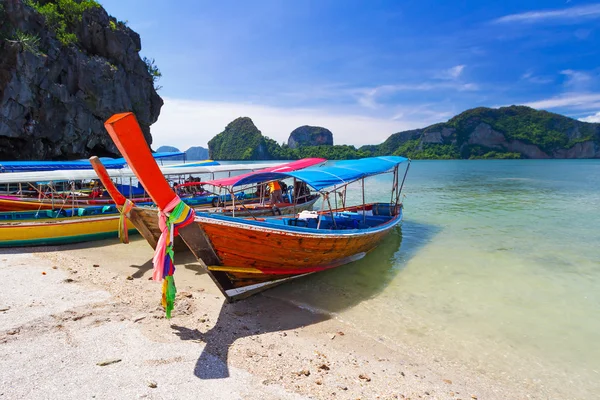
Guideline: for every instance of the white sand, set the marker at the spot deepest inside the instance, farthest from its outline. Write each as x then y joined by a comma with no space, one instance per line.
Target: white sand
55,331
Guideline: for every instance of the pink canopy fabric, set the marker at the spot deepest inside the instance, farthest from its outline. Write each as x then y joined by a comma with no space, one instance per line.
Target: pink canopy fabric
287,167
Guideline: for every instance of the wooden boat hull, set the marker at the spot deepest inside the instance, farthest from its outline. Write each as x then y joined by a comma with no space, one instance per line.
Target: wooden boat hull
246,256
253,255
20,205
59,231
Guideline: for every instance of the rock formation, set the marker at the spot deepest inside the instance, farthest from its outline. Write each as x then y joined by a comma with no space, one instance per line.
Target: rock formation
196,153
59,84
241,140
310,136
167,149
507,132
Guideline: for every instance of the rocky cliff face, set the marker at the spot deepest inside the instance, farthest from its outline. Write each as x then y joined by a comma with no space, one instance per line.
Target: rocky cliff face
507,132
54,98
310,136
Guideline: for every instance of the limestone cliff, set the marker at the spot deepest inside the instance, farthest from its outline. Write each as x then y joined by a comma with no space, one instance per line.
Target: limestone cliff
62,74
507,132
193,153
310,136
241,140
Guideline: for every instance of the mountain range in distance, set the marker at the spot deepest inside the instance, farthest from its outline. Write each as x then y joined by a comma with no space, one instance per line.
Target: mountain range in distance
479,133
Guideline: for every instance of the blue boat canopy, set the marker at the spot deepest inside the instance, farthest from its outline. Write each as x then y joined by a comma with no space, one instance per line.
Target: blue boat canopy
340,173
109,163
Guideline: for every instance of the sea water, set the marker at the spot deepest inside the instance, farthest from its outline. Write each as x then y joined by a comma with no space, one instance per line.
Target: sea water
496,268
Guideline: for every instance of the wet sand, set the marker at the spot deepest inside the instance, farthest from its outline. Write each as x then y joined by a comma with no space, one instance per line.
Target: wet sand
63,310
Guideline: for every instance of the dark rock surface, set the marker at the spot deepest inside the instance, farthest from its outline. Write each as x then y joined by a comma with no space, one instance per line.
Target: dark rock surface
55,98
310,136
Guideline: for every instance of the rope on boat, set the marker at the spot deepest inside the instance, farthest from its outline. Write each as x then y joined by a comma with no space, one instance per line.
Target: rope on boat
175,216
124,211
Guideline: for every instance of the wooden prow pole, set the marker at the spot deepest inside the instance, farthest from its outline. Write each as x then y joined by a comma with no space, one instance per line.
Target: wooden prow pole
110,187
129,139
119,200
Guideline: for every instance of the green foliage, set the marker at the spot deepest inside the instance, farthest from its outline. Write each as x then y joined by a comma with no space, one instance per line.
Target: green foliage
153,71
62,16
27,41
113,25
546,130
543,129
473,152
239,141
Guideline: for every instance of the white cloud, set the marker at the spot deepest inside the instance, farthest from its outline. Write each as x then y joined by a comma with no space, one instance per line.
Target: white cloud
367,97
579,100
185,123
591,118
587,11
576,80
530,77
452,73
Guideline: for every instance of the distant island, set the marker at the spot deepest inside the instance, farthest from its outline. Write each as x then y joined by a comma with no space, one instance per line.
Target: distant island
479,133
193,153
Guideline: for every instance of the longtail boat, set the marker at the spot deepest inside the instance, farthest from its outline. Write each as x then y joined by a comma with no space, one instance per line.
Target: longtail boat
244,256
49,227
111,163
20,181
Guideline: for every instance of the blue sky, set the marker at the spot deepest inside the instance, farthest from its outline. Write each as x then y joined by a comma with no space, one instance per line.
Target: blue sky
364,69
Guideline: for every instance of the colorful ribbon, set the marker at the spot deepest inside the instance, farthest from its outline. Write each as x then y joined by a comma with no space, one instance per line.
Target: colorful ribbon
179,215
124,211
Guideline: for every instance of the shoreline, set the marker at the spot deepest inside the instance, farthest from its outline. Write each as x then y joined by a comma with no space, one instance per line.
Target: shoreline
78,315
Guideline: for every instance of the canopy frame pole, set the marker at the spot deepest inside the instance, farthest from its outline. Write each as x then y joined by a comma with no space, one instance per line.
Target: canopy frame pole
295,196
334,197
72,197
363,201
324,194
394,185
331,211
232,202
399,190
243,206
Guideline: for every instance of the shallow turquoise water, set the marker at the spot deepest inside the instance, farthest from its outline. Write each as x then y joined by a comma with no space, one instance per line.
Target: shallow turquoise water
496,267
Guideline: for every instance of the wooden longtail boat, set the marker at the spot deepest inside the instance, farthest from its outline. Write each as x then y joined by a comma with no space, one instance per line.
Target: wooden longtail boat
42,201
244,256
51,227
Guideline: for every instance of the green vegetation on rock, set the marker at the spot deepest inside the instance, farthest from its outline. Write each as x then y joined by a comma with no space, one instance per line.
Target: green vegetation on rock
506,132
241,140
63,15
480,133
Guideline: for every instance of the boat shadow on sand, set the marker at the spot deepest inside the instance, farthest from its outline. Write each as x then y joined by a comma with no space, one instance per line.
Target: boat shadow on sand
306,301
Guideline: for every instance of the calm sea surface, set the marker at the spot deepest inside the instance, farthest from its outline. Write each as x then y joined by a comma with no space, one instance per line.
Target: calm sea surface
496,267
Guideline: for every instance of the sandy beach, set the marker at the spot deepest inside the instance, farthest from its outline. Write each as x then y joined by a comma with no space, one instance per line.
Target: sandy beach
62,313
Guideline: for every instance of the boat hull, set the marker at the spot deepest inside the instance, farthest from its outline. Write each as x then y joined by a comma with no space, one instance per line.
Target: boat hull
253,255
59,231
